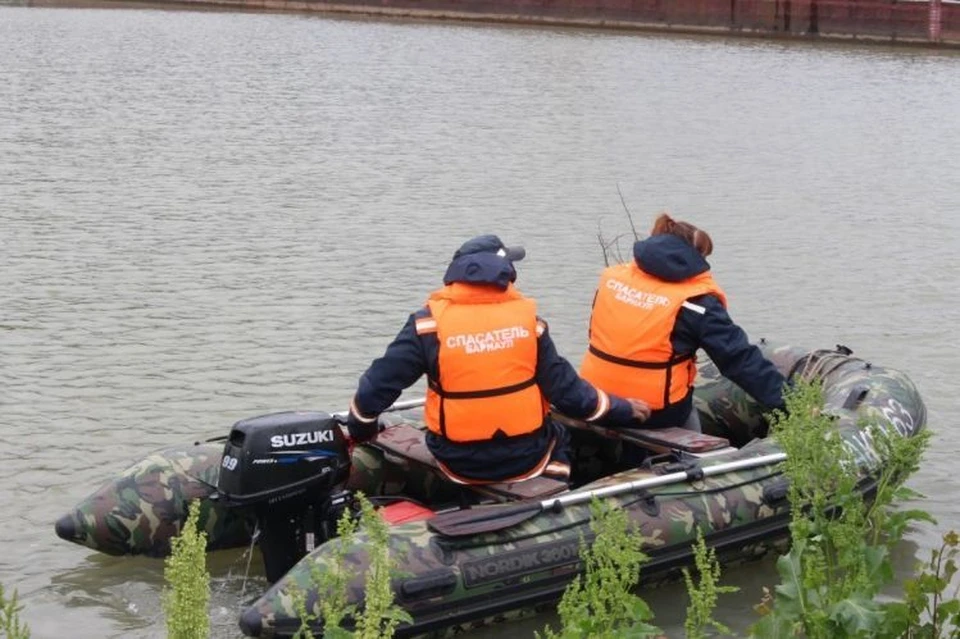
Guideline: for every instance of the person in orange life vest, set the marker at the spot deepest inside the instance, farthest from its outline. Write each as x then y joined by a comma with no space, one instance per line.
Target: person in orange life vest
492,372
651,315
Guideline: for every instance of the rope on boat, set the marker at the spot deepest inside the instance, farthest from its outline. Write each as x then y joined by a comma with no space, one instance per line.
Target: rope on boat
820,363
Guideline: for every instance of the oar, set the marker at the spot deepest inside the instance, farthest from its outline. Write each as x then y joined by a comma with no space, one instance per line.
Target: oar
485,519
406,404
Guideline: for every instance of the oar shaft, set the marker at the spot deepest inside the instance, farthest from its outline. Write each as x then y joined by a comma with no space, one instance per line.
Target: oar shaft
664,480
487,519
406,404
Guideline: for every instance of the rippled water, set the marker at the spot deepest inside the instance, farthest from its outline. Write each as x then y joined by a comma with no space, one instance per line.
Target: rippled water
208,216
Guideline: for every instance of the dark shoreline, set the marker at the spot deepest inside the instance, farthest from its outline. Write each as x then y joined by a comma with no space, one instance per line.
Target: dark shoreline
886,22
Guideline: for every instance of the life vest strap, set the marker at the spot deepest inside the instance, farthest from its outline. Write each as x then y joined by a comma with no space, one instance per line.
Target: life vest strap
491,392
622,361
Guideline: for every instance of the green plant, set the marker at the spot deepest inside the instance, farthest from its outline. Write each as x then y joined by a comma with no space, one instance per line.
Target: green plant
839,556
927,612
334,607
187,591
299,598
380,616
704,593
10,625
601,603
333,582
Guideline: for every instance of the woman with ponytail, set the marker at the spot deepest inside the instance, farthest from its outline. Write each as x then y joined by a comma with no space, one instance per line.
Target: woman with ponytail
651,315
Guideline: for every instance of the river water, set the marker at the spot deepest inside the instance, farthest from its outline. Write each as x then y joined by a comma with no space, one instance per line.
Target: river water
209,216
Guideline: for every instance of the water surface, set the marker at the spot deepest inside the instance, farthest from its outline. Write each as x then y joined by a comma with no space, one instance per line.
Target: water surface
209,216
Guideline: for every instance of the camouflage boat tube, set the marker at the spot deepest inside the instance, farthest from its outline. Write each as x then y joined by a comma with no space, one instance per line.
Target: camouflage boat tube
454,583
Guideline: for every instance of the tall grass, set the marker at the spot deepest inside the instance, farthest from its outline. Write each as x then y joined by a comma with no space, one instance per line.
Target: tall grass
600,603
704,592
334,581
10,625
839,559
929,610
379,616
187,591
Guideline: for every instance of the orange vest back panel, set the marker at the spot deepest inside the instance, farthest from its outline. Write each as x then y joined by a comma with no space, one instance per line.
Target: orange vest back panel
487,365
633,316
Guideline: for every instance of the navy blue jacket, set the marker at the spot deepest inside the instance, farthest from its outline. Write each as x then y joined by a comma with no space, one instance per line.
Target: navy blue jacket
410,356
672,259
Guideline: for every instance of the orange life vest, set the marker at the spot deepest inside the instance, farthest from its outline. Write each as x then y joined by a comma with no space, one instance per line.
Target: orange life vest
630,353
487,364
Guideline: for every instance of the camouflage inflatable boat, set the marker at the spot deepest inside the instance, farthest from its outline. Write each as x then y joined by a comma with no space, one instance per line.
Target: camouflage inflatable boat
289,476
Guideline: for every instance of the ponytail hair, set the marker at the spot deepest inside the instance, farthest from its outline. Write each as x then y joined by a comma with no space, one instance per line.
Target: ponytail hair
695,237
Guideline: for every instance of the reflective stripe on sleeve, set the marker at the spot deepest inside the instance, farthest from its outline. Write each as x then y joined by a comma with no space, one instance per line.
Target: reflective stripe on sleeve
426,325
356,413
603,405
696,308
557,470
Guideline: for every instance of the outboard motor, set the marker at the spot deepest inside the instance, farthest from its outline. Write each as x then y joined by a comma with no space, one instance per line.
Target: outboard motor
288,469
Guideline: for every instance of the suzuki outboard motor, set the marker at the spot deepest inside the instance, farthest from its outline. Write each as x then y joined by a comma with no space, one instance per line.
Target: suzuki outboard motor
284,468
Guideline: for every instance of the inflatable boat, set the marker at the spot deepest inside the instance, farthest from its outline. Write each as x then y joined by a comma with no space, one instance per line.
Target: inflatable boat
474,555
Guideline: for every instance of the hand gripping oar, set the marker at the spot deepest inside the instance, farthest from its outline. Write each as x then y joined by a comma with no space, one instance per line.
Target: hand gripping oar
485,519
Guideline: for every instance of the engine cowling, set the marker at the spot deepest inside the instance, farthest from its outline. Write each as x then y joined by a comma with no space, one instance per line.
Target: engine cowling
281,456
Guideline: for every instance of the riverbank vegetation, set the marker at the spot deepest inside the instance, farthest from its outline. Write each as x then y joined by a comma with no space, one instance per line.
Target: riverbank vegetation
839,559
835,577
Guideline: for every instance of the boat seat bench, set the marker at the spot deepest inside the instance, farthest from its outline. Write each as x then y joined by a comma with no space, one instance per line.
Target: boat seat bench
409,443
675,439
658,440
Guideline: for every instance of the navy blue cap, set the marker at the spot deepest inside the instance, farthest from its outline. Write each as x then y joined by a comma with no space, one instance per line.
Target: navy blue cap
490,244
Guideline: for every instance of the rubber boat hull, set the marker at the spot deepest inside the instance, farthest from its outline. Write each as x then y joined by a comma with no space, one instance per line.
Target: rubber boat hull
459,583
